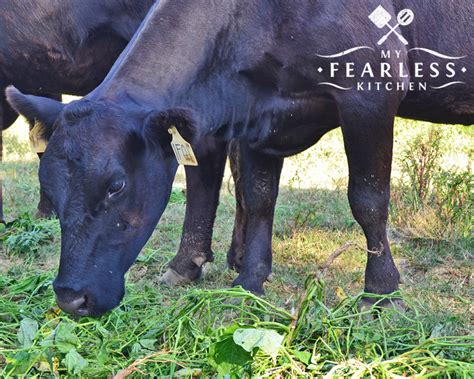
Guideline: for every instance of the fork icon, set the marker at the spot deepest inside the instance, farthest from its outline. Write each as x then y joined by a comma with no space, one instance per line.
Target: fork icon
380,17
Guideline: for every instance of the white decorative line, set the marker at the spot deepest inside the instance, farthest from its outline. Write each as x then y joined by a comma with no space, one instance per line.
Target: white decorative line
334,85
435,53
345,52
447,85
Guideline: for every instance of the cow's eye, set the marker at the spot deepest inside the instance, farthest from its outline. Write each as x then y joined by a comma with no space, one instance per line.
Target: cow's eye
116,187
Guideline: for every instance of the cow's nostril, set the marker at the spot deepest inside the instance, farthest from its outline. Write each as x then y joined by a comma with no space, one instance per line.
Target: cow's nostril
76,307
83,310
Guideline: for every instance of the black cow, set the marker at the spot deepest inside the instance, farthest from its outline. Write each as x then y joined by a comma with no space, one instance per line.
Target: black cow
275,75
61,47
68,47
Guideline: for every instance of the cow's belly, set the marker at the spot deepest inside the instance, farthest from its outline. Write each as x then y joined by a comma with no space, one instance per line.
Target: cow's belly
296,129
455,106
293,141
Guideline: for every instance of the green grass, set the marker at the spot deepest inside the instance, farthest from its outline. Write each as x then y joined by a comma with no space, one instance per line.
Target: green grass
310,327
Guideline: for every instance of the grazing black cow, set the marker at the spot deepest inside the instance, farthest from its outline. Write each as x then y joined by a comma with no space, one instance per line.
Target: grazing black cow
275,75
68,47
57,46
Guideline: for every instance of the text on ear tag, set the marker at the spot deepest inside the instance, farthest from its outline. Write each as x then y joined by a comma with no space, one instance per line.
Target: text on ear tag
182,149
37,141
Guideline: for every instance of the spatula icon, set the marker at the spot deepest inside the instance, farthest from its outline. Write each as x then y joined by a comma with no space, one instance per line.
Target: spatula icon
380,17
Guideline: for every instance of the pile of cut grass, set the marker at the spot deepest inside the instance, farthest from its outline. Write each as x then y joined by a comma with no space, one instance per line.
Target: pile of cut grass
205,330
220,332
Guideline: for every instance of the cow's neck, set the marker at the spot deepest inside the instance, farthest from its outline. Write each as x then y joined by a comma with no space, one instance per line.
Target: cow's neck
172,63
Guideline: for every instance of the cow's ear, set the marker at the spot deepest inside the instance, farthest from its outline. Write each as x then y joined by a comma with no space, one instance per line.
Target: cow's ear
35,109
158,124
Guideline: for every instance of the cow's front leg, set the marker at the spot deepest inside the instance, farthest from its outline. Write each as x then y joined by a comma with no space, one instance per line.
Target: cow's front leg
259,177
368,142
7,118
203,184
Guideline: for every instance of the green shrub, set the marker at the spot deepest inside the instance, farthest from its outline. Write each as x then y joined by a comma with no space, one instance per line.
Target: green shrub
420,163
26,235
431,201
454,198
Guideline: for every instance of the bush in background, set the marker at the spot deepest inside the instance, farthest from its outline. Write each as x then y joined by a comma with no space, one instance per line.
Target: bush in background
431,201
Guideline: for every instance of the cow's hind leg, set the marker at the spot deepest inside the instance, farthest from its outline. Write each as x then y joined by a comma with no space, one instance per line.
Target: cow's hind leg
368,140
45,208
203,184
235,255
259,177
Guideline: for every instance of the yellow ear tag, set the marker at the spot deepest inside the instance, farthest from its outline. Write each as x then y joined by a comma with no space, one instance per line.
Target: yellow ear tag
182,149
37,141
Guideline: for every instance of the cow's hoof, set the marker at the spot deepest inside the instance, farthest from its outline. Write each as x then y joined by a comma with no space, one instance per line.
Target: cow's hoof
44,214
234,260
172,278
251,285
395,304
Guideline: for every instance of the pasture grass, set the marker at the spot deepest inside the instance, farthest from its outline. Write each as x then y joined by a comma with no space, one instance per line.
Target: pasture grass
308,324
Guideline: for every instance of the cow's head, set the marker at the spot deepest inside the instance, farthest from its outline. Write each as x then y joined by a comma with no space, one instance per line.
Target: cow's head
108,174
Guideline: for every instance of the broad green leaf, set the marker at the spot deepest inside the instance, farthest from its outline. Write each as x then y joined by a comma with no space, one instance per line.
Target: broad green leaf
48,363
65,339
102,330
148,343
228,358
20,363
74,362
27,332
103,355
438,331
266,339
136,348
302,356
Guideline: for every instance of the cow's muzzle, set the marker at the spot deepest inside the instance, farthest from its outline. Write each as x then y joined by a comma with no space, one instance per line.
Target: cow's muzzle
72,302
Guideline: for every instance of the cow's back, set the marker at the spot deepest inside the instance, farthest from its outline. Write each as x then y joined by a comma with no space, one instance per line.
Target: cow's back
444,28
64,46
